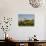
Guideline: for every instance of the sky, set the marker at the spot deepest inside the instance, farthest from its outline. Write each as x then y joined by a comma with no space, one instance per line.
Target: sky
25,16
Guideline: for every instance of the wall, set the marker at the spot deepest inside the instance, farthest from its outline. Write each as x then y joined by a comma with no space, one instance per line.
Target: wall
11,8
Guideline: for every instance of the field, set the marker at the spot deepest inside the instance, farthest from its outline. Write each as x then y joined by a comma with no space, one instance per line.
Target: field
26,23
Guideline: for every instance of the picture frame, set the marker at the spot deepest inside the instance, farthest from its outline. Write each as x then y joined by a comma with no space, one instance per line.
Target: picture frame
26,19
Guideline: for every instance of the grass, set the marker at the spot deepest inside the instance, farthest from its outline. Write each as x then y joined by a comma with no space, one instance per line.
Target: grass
26,23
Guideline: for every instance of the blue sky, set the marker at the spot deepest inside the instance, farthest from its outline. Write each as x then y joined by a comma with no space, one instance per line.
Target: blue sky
25,16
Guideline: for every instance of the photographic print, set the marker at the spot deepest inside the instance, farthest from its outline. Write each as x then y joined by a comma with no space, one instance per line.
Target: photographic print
26,19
